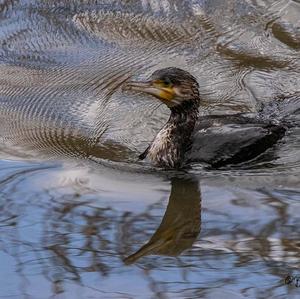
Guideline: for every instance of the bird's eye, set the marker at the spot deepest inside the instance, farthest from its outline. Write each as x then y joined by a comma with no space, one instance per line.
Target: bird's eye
166,83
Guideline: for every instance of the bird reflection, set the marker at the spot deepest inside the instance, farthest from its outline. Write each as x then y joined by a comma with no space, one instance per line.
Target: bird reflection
180,225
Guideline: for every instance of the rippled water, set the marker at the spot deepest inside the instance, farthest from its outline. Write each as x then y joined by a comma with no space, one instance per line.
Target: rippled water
79,216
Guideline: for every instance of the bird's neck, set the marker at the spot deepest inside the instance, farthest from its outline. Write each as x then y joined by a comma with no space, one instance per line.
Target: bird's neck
174,139
184,114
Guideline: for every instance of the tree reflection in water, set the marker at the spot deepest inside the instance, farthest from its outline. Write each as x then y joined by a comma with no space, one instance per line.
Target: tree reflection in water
60,236
64,235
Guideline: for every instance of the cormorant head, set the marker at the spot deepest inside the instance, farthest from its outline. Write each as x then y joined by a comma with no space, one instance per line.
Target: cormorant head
173,86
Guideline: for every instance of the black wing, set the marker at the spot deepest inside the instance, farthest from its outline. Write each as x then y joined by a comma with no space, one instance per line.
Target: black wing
221,140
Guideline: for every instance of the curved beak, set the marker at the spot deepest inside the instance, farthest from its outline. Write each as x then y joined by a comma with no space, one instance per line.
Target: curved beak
149,87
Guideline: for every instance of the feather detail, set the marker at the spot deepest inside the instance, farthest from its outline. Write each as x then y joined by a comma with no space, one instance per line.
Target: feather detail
174,139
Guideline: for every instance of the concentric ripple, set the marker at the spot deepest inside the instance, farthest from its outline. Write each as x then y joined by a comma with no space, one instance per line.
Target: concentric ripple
63,63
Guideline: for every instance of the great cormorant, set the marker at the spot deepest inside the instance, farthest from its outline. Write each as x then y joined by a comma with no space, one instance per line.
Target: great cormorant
186,137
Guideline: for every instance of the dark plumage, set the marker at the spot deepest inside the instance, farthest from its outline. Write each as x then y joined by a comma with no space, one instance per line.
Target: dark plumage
180,225
217,140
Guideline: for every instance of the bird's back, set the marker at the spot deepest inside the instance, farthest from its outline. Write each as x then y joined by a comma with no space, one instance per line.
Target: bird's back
221,140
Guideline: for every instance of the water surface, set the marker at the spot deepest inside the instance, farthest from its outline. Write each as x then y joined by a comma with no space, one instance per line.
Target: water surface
80,217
